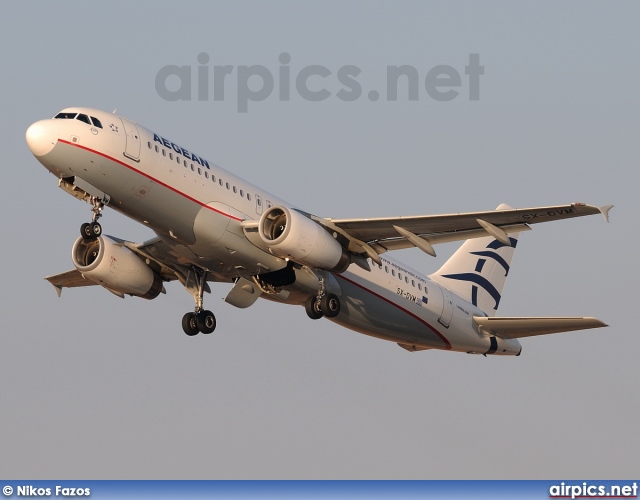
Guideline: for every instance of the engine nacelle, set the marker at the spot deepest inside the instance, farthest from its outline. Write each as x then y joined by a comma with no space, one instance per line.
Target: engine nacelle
114,266
291,235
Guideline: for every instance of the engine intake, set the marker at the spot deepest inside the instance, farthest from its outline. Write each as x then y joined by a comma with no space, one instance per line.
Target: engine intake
112,265
290,235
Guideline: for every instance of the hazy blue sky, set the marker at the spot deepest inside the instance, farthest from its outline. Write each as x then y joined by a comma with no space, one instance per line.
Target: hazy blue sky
92,386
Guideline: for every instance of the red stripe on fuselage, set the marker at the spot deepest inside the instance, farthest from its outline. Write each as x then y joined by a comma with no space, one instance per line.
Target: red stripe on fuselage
442,337
133,169
111,158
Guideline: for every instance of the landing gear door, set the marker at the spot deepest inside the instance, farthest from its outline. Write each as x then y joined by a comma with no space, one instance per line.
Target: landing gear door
132,146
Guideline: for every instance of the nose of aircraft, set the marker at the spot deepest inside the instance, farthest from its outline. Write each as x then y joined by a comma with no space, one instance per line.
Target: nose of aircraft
41,137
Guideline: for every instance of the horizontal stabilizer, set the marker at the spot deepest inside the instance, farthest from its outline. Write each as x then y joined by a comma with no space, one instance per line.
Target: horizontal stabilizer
514,328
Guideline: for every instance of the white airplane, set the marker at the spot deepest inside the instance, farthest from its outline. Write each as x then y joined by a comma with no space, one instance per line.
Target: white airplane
213,226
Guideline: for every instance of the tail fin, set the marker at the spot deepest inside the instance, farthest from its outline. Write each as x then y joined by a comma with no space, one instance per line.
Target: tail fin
478,270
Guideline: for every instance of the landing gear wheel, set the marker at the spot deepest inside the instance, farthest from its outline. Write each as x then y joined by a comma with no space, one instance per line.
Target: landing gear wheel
85,231
90,230
312,307
96,230
330,305
189,324
206,322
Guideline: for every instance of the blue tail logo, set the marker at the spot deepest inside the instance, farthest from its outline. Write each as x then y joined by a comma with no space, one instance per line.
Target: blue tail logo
480,281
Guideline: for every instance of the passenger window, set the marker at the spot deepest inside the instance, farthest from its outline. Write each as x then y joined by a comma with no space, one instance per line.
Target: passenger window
164,152
97,123
228,186
400,276
206,174
193,168
185,163
242,193
393,272
199,171
235,190
157,149
419,286
149,144
248,197
213,178
406,279
171,156
413,283
178,160
386,269
83,118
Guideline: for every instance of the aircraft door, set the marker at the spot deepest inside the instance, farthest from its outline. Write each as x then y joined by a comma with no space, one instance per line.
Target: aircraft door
132,146
447,307
258,204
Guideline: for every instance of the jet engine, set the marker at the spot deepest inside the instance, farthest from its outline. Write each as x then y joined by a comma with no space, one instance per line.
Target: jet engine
290,235
115,267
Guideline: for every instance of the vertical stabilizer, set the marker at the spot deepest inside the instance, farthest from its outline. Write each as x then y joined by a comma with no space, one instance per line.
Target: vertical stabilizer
478,270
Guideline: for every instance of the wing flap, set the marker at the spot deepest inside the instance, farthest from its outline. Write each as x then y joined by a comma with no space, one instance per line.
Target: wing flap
518,327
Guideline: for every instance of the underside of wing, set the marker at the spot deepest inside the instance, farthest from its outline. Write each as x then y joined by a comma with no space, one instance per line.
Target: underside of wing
380,235
70,279
164,260
518,327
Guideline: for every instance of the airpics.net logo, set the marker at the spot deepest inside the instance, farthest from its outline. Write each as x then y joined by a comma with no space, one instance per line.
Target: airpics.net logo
315,82
588,490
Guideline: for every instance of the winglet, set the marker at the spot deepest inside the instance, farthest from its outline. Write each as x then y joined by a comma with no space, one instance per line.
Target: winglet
58,290
605,211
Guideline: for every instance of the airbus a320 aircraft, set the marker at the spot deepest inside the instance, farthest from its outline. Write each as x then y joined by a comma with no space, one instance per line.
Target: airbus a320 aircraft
213,226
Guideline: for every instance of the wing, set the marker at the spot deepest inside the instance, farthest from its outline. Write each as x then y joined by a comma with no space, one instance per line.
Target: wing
515,328
168,261
70,279
376,236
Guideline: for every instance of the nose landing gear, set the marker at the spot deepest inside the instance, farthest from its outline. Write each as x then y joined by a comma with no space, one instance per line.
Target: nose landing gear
92,230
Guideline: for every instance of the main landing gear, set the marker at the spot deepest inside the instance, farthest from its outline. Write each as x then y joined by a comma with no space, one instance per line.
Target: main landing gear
92,230
327,304
199,321
194,323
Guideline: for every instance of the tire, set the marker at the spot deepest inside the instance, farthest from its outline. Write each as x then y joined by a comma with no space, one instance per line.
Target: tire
85,231
312,307
330,305
96,230
206,322
189,324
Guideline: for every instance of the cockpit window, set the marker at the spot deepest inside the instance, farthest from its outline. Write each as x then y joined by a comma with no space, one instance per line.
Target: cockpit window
66,116
83,118
96,122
